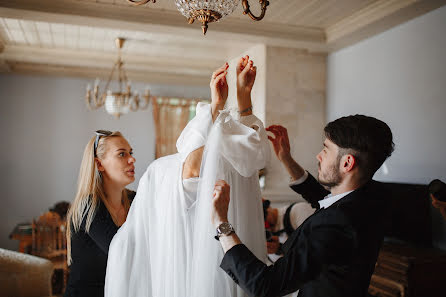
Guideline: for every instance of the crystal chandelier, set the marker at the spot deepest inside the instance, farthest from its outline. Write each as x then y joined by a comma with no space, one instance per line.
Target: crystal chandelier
208,11
121,102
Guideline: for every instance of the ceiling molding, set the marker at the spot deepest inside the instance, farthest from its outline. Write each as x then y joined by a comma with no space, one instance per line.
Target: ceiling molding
141,63
87,72
162,21
376,18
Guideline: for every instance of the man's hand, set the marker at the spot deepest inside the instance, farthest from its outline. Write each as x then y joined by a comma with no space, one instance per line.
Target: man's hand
219,89
281,142
273,245
220,203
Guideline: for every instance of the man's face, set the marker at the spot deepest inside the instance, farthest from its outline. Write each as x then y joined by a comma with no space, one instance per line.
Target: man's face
329,174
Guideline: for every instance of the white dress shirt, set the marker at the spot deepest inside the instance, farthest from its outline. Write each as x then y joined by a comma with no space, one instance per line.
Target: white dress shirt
328,200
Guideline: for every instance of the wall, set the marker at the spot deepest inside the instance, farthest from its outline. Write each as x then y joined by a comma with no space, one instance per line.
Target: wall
46,126
295,99
399,76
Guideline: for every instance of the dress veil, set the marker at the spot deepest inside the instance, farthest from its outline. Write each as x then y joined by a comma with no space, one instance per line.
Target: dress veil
166,248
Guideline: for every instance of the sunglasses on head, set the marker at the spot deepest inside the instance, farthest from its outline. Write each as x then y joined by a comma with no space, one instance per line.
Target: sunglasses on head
100,133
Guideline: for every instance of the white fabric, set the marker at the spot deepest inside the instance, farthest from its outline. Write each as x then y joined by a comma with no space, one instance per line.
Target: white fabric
156,252
233,152
196,131
330,199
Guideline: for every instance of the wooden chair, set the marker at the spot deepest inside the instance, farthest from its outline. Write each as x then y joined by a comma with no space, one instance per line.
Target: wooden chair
49,241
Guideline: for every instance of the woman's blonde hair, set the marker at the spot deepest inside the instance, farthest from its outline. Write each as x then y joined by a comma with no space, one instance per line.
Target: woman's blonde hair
90,190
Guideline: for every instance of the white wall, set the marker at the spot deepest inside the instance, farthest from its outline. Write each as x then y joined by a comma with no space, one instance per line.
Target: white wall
399,76
46,126
295,98
289,90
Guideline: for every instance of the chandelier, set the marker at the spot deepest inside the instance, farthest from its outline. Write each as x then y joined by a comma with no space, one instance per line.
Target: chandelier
122,101
208,11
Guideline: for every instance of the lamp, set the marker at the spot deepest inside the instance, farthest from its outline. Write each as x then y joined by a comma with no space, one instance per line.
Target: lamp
121,102
208,11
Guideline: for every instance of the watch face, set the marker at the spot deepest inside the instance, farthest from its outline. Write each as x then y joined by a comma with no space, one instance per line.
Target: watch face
225,228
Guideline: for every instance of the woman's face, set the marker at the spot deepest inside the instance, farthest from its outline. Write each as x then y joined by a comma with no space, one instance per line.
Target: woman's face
117,164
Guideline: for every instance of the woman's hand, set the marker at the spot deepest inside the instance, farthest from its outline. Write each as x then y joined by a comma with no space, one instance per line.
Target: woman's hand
246,75
219,89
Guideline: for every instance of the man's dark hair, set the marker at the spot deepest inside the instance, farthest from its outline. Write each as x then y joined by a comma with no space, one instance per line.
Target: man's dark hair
368,139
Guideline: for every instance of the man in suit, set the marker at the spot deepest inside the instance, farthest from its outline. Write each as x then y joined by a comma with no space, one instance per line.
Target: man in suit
334,251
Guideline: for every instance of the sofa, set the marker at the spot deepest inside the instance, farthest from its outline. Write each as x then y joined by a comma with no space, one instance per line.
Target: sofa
24,275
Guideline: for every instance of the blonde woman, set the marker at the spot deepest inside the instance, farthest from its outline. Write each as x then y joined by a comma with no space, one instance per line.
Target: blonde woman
100,207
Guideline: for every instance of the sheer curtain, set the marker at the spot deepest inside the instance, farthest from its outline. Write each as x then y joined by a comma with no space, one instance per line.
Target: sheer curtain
171,115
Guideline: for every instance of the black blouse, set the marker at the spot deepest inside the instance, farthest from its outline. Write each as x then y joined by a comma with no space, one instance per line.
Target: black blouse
89,252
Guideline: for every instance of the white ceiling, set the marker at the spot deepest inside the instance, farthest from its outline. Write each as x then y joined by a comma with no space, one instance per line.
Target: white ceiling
76,37
307,13
88,38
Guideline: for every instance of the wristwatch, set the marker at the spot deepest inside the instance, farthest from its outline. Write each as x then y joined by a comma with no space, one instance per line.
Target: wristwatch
224,229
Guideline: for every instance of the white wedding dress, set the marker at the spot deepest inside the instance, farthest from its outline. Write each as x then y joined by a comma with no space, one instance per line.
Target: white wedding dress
166,247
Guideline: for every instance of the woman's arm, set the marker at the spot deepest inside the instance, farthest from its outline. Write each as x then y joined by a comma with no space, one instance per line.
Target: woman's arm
219,93
246,75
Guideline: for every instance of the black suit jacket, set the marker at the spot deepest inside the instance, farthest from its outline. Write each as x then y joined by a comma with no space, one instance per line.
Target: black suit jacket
333,253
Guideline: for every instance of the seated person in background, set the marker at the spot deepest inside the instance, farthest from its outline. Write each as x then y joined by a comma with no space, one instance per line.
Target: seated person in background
437,190
281,222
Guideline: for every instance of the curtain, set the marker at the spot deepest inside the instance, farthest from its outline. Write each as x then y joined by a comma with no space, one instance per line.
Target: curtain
171,115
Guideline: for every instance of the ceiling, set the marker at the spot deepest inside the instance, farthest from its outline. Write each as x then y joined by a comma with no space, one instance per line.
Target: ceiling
76,37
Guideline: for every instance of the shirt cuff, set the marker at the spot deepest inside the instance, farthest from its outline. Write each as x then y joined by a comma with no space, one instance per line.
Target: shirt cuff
233,253
299,180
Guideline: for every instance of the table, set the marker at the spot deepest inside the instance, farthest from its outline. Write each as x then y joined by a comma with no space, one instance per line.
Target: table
23,233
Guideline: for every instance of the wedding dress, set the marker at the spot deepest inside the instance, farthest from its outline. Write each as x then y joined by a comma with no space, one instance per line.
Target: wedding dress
166,247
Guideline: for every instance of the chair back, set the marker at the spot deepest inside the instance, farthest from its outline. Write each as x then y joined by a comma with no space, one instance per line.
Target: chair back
49,236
